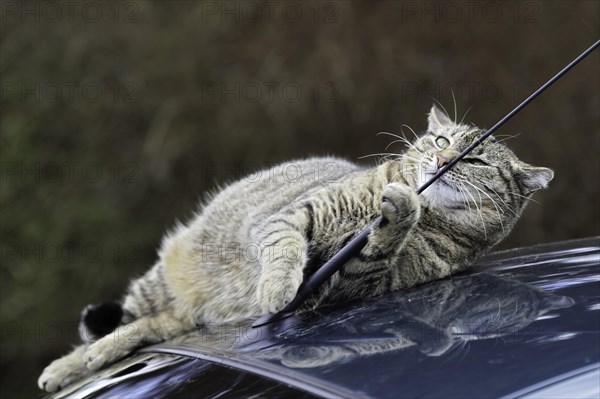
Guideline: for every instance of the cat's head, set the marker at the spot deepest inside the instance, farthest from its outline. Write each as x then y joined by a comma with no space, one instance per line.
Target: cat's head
490,186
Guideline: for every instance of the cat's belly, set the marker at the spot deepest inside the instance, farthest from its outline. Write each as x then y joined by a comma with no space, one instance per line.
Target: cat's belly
210,282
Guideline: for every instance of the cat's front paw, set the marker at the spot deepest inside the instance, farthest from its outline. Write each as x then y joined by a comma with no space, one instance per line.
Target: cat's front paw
276,290
63,372
400,204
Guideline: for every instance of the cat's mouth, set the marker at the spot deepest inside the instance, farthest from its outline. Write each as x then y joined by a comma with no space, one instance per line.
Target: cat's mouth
443,193
430,170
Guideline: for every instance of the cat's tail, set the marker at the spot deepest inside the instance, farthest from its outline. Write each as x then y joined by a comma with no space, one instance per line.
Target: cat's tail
145,296
98,320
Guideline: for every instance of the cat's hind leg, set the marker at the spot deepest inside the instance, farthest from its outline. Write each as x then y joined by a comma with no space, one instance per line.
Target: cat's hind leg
96,321
126,338
64,371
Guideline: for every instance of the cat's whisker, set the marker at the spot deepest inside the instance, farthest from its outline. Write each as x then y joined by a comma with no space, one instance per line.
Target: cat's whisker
479,212
416,160
392,143
454,350
497,316
406,140
504,202
466,192
463,349
389,134
455,110
401,140
397,174
514,313
385,156
463,117
411,129
524,196
457,350
498,209
461,187
377,154
500,198
507,137
383,160
467,347
480,200
411,145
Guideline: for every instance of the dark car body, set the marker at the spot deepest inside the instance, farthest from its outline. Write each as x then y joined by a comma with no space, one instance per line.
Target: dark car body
521,323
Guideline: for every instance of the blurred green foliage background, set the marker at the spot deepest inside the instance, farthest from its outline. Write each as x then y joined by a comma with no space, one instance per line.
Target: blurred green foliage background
117,116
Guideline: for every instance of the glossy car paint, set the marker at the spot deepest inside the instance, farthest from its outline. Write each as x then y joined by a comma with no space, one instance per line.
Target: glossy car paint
524,322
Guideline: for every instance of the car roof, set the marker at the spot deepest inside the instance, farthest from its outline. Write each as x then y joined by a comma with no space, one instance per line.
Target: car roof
517,321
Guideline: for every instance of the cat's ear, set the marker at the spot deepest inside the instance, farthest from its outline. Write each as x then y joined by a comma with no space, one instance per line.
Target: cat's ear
438,119
533,178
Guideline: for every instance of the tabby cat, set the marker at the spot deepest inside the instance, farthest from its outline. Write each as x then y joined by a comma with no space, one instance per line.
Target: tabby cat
249,248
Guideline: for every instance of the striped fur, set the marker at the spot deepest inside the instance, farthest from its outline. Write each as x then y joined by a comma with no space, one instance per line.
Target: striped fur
247,251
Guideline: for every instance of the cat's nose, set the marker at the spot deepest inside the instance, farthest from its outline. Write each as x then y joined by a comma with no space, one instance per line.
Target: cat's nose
444,157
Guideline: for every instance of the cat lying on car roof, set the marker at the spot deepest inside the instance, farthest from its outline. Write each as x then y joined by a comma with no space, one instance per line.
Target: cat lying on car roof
249,248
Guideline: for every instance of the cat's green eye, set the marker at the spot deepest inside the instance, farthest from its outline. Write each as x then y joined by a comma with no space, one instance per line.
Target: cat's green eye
442,142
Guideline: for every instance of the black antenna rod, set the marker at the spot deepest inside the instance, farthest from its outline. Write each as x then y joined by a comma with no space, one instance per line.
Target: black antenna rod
353,248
